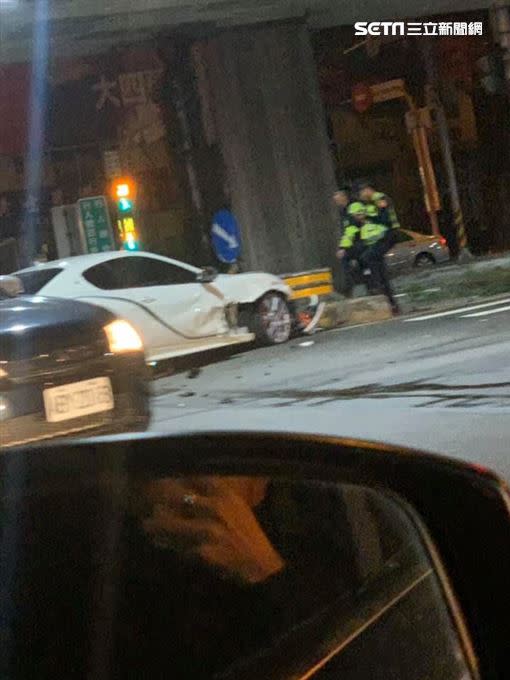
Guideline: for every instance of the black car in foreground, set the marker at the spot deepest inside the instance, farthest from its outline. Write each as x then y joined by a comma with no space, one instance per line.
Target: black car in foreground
67,368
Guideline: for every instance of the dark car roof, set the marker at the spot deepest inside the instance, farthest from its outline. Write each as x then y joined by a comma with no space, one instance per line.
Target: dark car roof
32,325
38,310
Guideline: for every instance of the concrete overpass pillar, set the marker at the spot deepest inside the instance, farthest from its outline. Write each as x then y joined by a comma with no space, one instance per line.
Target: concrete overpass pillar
271,128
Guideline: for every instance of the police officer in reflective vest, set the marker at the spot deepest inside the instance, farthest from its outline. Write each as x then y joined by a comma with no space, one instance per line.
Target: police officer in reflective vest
369,235
341,199
350,247
380,209
342,272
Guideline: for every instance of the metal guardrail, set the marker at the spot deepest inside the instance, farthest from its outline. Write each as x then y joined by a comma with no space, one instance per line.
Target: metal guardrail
314,282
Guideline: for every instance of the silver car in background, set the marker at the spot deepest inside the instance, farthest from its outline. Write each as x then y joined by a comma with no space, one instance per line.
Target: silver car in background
417,250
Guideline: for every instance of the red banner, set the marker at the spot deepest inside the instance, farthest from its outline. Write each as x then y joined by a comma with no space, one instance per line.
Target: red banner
14,107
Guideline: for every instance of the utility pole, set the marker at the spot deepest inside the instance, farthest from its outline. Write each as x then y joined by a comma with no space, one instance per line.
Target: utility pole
436,105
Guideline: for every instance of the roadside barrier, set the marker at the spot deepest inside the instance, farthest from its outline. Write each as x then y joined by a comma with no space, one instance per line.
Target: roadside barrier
306,284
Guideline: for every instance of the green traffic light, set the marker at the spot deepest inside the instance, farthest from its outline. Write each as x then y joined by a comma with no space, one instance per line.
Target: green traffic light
125,205
131,243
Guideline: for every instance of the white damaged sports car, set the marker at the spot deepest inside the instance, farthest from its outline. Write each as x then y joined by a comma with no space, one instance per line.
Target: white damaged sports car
177,309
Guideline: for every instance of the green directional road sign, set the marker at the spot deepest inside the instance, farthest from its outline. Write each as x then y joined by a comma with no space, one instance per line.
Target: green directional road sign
97,228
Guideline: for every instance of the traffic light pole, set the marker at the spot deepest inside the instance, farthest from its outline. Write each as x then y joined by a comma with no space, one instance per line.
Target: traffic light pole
418,130
434,101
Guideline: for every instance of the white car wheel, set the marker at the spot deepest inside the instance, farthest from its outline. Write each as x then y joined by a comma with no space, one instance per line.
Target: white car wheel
272,319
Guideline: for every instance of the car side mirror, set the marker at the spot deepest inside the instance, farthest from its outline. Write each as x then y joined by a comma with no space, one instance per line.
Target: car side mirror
11,286
207,275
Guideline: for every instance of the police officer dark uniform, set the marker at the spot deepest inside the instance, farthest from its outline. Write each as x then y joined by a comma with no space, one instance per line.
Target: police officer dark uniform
351,247
342,198
370,235
350,241
380,209
342,272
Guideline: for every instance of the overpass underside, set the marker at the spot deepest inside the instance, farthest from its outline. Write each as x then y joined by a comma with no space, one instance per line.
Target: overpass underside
259,96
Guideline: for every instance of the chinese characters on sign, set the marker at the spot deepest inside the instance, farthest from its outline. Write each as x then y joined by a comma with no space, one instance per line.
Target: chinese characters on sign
411,28
105,89
130,89
95,220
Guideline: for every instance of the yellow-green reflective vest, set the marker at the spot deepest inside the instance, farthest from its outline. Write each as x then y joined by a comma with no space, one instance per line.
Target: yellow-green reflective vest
349,236
371,232
371,211
388,214
393,217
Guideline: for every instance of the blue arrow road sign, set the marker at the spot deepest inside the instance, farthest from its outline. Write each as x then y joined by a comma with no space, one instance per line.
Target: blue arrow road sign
225,237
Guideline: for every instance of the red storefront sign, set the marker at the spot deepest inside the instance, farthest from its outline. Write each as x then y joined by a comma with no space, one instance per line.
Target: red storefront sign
14,108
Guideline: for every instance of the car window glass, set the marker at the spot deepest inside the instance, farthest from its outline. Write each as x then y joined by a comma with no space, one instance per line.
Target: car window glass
147,271
402,237
34,281
126,273
137,272
103,276
207,574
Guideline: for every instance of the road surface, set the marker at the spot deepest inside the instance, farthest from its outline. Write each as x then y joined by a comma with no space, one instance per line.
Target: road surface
439,382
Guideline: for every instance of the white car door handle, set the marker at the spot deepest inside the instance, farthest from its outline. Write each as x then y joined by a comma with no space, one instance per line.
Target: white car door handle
147,300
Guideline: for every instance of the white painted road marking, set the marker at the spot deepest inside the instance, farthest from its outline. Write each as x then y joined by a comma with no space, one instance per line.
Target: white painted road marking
487,312
460,310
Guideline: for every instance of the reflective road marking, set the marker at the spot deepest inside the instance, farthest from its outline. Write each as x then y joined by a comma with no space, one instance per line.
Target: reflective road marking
460,310
487,312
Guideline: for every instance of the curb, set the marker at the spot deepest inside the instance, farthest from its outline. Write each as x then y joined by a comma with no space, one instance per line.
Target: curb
372,309
369,309
343,312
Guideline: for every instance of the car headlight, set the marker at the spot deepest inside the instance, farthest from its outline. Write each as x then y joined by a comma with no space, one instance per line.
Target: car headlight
3,372
122,337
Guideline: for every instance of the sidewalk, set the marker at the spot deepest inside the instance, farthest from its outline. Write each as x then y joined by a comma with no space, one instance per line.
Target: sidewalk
451,284
434,289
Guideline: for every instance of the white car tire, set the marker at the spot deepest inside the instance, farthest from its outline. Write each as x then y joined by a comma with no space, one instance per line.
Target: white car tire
272,319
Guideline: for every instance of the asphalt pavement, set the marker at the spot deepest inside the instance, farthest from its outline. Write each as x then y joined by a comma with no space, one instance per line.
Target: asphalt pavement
438,382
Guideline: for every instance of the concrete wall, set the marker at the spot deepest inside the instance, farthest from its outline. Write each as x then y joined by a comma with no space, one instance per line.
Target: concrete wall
271,127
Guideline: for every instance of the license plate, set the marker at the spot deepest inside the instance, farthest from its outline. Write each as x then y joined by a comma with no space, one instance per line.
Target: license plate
78,399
